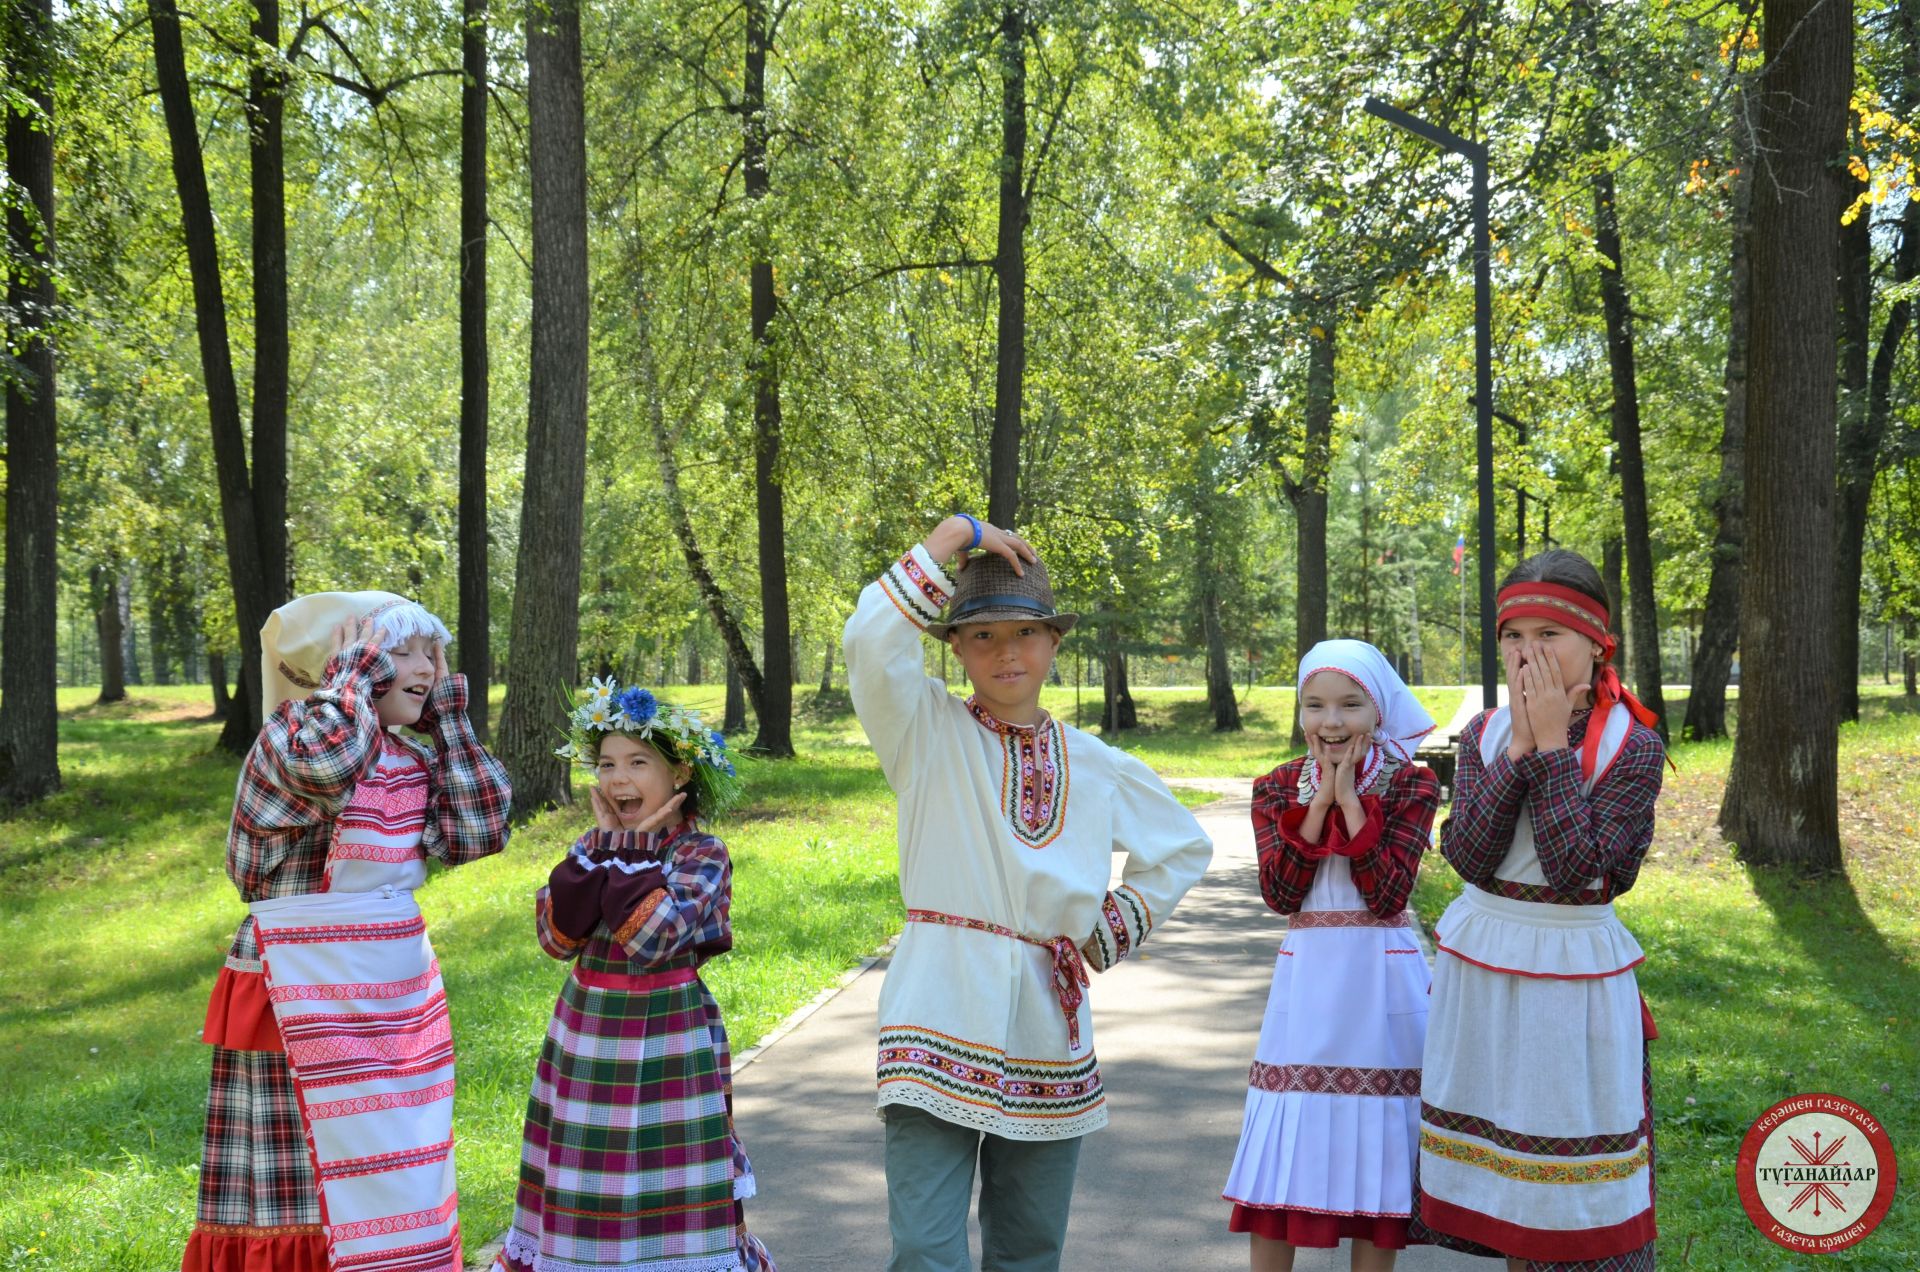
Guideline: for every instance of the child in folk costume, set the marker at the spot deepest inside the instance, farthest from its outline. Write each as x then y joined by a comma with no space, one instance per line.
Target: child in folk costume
1332,1119
329,1138
1008,824
1536,1136
629,1162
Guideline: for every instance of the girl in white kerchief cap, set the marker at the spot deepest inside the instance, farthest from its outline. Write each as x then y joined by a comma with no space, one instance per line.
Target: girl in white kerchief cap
328,1021
1333,1099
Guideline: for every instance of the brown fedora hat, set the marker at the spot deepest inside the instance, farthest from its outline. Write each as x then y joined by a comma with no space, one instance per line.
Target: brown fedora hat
988,591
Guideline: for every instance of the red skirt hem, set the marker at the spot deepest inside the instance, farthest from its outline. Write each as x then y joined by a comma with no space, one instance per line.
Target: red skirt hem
224,1248
1543,1245
1315,1230
240,1015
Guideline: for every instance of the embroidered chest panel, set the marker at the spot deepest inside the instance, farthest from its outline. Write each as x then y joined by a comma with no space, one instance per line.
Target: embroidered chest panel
1033,777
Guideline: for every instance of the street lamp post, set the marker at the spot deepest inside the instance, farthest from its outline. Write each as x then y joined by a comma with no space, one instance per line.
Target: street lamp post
1475,152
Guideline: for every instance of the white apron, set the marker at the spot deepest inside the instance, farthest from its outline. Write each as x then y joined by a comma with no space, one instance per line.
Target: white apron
356,992
1534,1133
1333,1111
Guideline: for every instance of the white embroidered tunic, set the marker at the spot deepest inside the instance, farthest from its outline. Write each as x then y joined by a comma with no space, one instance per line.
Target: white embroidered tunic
1006,841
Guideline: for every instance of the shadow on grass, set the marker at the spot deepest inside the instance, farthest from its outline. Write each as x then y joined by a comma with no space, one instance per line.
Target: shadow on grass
1824,919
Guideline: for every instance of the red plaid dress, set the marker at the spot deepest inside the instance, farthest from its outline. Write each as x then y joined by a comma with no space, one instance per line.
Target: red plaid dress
259,1204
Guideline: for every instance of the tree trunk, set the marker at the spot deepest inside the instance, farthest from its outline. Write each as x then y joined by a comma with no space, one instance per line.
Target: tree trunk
1117,710
267,169
826,670
1909,663
695,668
1866,405
1308,496
1614,580
239,523
1643,617
476,635
129,634
161,645
1720,622
545,635
109,624
1220,695
774,705
1781,801
1010,274
736,708
217,677
743,673
29,721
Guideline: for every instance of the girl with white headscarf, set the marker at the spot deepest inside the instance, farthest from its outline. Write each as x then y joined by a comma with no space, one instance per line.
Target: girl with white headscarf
1333,1098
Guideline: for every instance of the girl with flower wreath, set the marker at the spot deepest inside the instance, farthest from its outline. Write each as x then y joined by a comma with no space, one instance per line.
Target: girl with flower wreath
629,1162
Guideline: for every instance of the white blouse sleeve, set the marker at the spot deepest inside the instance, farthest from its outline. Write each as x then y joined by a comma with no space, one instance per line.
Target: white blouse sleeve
1167,853
892,693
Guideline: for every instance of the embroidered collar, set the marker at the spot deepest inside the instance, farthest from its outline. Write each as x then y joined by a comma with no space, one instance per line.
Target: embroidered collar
1033,775
994,724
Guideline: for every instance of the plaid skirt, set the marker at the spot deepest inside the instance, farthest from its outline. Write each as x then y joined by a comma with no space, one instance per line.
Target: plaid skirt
259,1205
629,1162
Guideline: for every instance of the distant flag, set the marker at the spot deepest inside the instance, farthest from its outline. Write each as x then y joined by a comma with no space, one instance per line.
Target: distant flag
1459,551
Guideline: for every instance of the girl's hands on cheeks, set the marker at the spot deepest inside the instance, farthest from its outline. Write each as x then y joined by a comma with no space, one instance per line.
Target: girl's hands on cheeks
1323,754
1522,740
608,817
1549,709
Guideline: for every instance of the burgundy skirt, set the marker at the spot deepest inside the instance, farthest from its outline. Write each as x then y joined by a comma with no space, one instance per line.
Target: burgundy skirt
1315,1230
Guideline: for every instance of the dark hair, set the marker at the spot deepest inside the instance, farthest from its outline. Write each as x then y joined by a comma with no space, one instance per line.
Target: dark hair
666,750
1565,568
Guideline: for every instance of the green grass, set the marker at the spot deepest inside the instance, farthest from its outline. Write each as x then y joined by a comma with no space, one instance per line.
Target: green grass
115,908
1765,985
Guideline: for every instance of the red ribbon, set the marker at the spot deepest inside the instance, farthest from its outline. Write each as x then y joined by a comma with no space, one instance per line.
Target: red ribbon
1069,965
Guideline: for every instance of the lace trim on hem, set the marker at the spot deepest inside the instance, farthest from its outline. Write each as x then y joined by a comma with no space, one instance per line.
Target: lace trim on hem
994,1123
525,1250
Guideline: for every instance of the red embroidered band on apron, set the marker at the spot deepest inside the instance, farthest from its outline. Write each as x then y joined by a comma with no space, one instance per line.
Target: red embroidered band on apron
1069,965
1535,1133
357,995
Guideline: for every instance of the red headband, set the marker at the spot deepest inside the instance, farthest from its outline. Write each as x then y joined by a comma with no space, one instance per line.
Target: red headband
1580,612
1565,605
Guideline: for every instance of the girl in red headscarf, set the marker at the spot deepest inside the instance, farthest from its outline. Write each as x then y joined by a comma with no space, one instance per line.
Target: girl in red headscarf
1536,1127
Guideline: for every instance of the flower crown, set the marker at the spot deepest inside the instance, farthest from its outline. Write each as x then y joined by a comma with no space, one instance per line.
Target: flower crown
607,708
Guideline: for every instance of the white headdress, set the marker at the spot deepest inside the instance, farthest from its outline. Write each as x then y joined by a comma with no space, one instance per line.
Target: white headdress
1402,720
298,637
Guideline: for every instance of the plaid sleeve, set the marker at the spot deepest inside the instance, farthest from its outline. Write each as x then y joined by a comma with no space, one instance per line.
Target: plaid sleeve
302,767
1605,834
1387,849
317,748
1486,804
1287,862
468,793
689,914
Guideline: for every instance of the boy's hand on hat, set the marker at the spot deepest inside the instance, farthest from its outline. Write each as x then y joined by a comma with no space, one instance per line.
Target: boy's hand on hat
1007,544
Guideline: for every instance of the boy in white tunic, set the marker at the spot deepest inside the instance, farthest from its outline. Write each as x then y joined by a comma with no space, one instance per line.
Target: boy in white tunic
1008,823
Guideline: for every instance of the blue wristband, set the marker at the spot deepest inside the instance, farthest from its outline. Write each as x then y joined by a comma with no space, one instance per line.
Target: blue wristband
976,530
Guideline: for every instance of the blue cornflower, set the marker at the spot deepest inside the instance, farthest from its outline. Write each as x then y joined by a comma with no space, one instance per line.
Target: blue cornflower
637,705
719,743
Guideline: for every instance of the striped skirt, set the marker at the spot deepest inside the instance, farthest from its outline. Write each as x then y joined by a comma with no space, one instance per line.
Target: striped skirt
629,1162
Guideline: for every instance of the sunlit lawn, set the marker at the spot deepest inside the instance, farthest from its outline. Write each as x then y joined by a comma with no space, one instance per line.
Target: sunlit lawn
114,910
